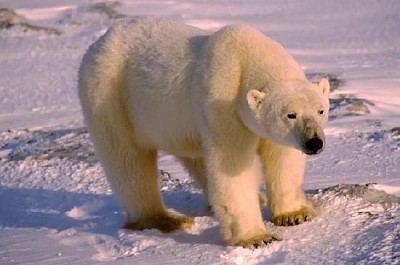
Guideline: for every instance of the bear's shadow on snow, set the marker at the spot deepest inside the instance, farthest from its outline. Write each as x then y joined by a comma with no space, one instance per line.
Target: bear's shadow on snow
100,214
59,210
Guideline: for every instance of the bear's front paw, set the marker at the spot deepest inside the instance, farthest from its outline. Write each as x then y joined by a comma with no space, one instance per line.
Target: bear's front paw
306,213
166,223
258,241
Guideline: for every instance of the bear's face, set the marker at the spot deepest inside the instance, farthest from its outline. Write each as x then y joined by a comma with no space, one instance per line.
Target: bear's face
294,115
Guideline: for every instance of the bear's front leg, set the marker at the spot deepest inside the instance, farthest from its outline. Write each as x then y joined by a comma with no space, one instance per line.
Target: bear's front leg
284,173
233,184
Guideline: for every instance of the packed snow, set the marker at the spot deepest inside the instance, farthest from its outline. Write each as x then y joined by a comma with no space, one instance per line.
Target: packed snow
56,206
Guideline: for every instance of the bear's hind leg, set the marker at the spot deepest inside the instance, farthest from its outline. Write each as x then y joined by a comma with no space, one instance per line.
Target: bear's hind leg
149,209
133,175
284,172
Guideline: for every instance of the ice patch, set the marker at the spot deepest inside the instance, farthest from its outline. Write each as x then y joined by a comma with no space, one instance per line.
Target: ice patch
44,13
371,193
392,190
5,152
84,211
206,24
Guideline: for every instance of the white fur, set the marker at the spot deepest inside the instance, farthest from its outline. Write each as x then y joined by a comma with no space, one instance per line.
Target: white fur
213,100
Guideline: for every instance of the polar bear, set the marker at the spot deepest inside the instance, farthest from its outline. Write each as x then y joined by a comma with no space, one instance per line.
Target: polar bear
226,104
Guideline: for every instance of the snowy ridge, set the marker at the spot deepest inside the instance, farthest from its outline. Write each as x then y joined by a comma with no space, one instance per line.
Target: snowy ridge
56,206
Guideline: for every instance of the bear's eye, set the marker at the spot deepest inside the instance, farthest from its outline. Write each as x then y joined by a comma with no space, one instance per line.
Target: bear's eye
292,116
321,112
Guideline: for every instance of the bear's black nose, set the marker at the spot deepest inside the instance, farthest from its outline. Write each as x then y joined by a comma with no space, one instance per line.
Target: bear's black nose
314,146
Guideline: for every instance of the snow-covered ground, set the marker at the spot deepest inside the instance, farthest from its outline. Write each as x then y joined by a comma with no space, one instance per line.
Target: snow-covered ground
57,208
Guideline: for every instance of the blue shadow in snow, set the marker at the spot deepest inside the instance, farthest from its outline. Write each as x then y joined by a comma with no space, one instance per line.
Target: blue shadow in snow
38,208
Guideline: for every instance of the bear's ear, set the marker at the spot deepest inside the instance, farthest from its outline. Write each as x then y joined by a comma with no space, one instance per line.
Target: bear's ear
254,99
324,86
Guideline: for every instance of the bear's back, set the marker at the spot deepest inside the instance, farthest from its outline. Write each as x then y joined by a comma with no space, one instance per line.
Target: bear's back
158,42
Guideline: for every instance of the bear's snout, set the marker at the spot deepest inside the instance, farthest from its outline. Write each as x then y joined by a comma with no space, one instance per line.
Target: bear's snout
313,146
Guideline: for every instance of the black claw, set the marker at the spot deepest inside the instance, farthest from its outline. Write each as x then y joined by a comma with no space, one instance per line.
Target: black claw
266,242
285,222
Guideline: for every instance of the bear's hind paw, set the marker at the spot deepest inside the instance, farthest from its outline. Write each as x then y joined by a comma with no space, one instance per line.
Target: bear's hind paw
166,223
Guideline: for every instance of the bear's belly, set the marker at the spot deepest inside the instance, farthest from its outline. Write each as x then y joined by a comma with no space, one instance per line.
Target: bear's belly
175,142
185,148
168,128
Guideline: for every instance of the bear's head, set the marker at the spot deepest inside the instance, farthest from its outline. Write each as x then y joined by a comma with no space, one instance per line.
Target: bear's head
292,113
